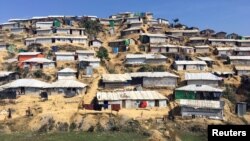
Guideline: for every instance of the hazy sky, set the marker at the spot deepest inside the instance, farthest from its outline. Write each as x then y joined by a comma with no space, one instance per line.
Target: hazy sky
226,15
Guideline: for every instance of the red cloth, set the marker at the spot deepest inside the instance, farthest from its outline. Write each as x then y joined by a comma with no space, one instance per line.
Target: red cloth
88,106
143,104
115,107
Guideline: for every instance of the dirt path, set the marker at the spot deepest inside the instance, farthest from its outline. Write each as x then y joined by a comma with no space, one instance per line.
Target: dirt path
94,86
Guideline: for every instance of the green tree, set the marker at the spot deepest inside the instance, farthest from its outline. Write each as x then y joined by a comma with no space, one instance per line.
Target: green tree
91,27
102,53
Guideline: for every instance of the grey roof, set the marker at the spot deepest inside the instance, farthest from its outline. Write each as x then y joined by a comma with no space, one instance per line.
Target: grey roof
67,84
205,59
200,103
85,51
152,74
132,28
201,76
197,38
29,53
244,41
66,70
222,40
5,73
245,68
205,46
199,88
39,60
130,95
154,35
116,77
224,48
163,45
65,53
32,83
241,49
190,62
89,59
239,57
146,56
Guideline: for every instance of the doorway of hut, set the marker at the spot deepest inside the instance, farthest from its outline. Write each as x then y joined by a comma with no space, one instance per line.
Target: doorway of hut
123,104
157,104
184,67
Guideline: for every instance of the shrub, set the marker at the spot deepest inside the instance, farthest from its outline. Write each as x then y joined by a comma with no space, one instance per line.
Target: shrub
103,53
38,73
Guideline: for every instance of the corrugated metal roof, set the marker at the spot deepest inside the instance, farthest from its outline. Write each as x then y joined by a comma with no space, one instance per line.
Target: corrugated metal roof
146,56
154,35
199,88
201,103
29,53
224,48
5,73
222,40
116,77
205,59
66,70
39,60
50,22
67,84
197,38
242,48
239,57
190,62
64,53
85,51
152,74
132,28
164,45
89,59
201,76
247,68
245,41
130,95
183,31
32,83
205,46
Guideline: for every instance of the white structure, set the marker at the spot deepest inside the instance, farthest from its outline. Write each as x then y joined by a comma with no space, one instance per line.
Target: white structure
153,38
90,61
242,70
66,74
8,25
3,46
224,51
154,79
44,31
132,99
65,56
85,54
17,30
68,87
164,48
202,79
222,42
201,49
57,39
190,65
44,25
38,63
26,86
135,59
240,60
71,31
95,43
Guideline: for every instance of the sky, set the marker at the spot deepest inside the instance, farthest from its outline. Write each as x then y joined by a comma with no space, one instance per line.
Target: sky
220,15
